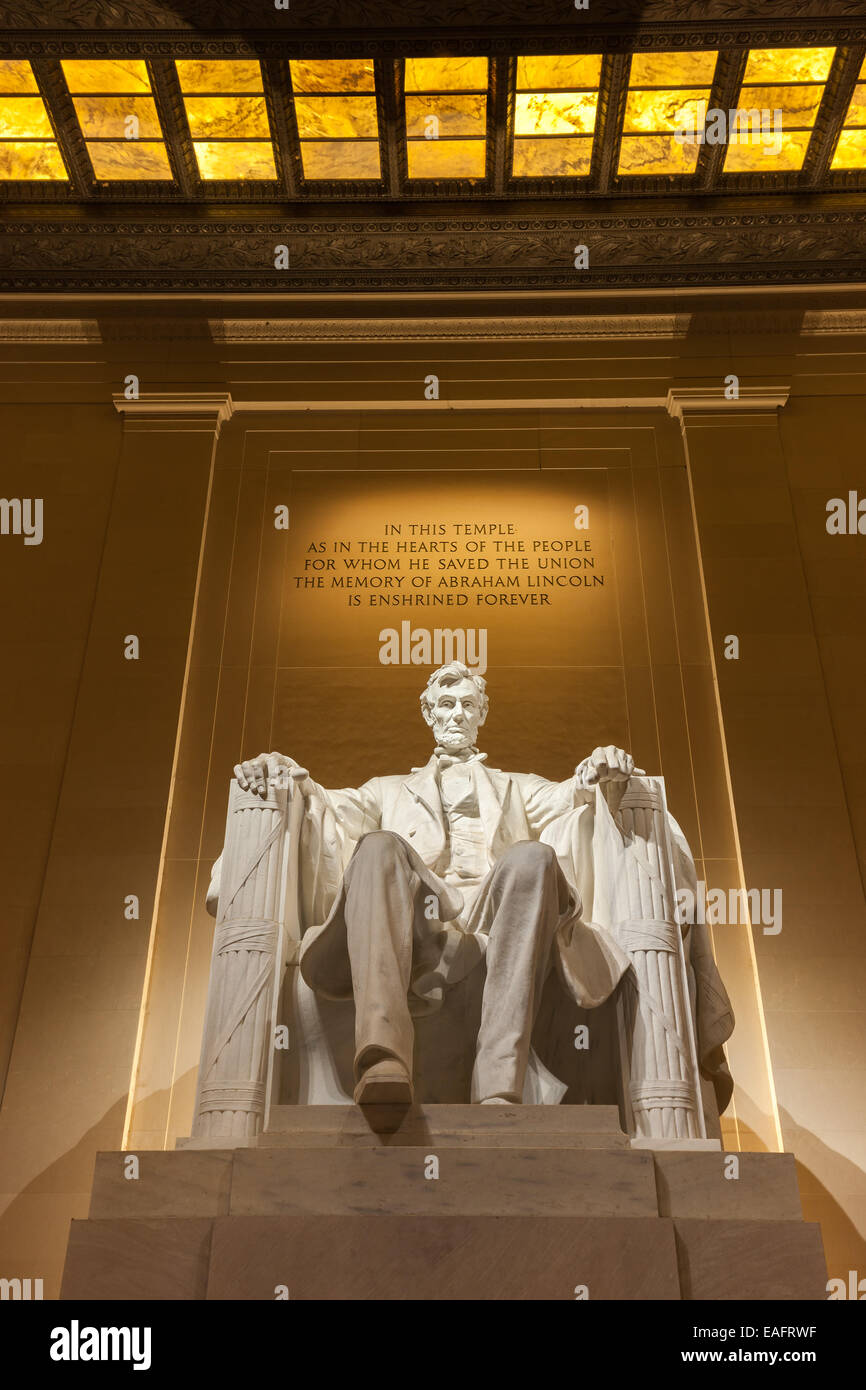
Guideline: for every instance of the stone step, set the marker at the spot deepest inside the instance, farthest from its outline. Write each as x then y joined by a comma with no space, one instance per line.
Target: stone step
391,1181
446,1126
416,1182
474,1180
429,1258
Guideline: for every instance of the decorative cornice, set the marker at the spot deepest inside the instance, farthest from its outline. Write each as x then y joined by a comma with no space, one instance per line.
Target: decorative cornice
314,18
757,242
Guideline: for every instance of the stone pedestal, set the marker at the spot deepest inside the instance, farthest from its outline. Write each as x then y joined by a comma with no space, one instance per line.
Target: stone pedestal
455,1202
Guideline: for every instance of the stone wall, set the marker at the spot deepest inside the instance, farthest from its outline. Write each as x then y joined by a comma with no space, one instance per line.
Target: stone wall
116,770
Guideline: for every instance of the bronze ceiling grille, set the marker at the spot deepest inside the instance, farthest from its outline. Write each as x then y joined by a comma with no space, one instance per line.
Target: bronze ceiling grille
471,126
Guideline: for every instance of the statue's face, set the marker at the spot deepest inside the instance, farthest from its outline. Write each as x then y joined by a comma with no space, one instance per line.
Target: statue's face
456,715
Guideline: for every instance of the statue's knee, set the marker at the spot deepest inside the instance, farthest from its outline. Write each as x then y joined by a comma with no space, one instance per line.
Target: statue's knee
380,845
527,859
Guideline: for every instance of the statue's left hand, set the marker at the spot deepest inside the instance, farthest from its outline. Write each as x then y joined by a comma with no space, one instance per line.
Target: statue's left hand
607,765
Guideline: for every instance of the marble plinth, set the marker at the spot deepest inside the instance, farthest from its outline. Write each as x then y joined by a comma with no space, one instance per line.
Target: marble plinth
456,1202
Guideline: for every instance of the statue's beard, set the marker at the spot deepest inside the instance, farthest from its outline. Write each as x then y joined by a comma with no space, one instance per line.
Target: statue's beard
455,738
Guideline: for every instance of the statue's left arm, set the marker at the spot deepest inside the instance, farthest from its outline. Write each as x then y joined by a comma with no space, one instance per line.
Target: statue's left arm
545,800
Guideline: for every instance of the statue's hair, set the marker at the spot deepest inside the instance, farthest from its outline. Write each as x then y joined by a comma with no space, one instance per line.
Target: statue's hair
450,674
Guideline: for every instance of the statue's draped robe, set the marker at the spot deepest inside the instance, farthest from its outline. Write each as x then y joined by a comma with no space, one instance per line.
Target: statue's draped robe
513,807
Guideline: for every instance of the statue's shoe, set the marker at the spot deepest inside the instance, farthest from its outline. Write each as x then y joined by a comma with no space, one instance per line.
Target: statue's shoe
385,1083
497,1100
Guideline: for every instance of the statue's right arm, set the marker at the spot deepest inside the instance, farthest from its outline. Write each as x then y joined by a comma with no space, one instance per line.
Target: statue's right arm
356,809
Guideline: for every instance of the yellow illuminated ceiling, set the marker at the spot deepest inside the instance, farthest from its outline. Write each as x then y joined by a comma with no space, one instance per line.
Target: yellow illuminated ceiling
555,108
668,94
850,152
132,128
789,65
446,117
338,125
226,75
227,116
776,109
28,149
117,117
324,75
445,75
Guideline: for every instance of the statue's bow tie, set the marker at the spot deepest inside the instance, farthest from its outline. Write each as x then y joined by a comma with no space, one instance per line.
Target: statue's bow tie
446,759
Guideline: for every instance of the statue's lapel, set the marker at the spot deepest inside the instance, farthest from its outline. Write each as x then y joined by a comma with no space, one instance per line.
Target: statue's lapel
494,805
494,794
423,786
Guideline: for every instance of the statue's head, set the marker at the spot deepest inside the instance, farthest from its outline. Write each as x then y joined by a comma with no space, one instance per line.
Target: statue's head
454,704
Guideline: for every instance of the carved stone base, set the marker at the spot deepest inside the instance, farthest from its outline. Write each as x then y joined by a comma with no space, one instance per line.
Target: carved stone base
458,1202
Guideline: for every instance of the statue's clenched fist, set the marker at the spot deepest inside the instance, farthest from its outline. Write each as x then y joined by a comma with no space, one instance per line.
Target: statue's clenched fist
606,765
255,774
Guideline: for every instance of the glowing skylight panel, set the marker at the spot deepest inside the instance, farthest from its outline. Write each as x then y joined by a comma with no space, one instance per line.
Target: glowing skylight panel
446,117
28,149
118,118
554,115
338,124
667,98
776,109
227,115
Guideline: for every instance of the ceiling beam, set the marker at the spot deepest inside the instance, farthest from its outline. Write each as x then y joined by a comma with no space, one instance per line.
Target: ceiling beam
281,113
727,81
61,111
172,118
831,114
612,93
389,106
500,120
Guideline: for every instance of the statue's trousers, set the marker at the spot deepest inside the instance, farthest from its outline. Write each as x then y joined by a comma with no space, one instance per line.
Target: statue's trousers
392,942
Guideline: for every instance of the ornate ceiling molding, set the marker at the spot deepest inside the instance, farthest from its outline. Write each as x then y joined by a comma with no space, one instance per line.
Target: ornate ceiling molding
756,242
190,42
371,18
